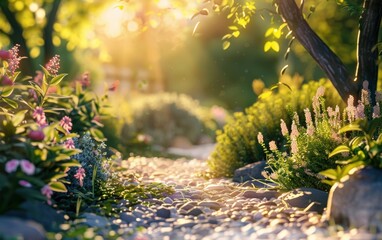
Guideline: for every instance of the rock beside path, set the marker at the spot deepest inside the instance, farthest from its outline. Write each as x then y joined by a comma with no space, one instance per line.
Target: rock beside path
16,228
357,200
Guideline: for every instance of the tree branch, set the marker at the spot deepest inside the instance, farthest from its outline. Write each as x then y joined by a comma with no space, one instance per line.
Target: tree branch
48,31
328,61
367,53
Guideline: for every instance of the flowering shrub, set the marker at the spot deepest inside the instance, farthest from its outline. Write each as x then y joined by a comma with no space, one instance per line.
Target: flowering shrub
32,148
237,144
310,142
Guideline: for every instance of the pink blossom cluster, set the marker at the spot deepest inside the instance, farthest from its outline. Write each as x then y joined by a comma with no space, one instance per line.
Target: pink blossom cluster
47,192
53,66
66,123
80,175
39,116
14,59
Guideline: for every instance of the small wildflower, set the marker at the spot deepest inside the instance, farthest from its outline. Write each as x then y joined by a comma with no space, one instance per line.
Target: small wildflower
80,175
38,78
284,128
47,192
365,85
350,109
260,138
378,97
25,183
69,144
294,133
365,97
320,92
66,123
360,111
36,135
11,165
308,116
310,130
85,80
53,65
272,146
27,167
294,146
6,81
376,111
39,116
14,59
114,86
5,55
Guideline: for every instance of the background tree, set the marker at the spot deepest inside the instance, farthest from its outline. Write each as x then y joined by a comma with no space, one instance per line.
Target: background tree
368,12
44,28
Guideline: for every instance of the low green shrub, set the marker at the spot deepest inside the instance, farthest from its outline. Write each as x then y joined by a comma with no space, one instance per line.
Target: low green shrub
237,144
158,119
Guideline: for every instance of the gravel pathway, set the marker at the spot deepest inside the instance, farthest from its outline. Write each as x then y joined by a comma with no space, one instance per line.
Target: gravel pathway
216,209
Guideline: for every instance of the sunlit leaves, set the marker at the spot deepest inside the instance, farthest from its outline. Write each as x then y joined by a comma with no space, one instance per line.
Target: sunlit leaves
272,45
226,45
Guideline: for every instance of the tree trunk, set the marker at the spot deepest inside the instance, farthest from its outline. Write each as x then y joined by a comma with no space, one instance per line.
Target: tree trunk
328,61
367,53
16,37
48,31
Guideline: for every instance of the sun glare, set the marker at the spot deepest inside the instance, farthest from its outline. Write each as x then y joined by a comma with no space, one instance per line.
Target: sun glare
112,21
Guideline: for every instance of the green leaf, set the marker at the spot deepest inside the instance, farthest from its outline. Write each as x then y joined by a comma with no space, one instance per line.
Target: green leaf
97,134
226,45
329,173
19,117
57,79
233,28
58,176
11,103
351,127
7,91
58,187
339,149
46,72
236,34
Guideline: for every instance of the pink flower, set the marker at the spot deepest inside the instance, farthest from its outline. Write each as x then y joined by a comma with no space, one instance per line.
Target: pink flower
27,167
350,109
284,128
376,111
38,78
85,80
308,116
47,192
294,133
53,65
260,138
114,86
36,135
219,114
14,59
39,116
80,175
272,146
25,183
5,55
11,165
69,144
6,81
310,130
66,123
294,146
360,111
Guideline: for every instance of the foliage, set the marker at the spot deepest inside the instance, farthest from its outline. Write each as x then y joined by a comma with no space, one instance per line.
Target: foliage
309,144
237,144
34,155
363,150
159,118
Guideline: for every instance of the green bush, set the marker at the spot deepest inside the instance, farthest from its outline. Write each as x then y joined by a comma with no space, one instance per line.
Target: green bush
157,119
237,144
